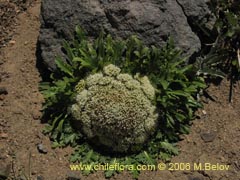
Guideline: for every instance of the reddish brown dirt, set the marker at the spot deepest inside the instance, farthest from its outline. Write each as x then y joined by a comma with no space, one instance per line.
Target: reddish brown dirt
20,127
9,9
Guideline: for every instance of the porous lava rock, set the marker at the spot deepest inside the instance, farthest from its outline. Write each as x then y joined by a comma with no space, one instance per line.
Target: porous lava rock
153,21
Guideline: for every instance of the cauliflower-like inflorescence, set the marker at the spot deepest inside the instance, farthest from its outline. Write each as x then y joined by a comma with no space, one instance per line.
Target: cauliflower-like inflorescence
115,110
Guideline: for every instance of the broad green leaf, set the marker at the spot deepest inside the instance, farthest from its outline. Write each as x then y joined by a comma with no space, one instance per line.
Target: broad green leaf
179,93
69,51
110,173
164,84
232,19
169,147
64,67
80,33
149,159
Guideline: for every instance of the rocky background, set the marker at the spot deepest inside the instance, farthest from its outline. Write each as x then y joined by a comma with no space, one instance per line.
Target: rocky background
25,153
153,21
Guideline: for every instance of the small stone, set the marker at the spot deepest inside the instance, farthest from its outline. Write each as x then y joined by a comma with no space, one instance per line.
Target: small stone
36,114
1,99
194,177
22,177
72,176
40,177
3,90
3,135
42,149
204,112
237,164
205,100
208,136
186,172
22,69
12,42
222,159
33,172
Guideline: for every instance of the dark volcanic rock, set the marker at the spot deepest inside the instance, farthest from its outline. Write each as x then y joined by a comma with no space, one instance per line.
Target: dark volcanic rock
194,9
151,20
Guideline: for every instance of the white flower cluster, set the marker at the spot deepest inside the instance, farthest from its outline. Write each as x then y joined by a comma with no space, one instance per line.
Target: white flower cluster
115,110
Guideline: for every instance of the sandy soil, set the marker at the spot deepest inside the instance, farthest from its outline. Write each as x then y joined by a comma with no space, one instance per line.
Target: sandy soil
9,9
214,138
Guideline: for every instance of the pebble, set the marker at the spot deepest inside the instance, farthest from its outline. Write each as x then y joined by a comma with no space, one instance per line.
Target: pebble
40,177
3,135
22,177
36,114
22,69
4,75
208,136
12,42
222,159
42,149
204,112
3,90
237,164
1,99
72,176
34,172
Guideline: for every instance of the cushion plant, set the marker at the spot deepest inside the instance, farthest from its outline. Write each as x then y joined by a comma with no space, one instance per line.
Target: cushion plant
116,104
131,100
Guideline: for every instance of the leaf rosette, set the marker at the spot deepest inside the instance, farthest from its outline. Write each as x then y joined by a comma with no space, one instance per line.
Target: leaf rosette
133,101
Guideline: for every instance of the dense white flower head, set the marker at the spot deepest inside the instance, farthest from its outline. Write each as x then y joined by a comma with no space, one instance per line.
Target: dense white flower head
115,110
111,70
